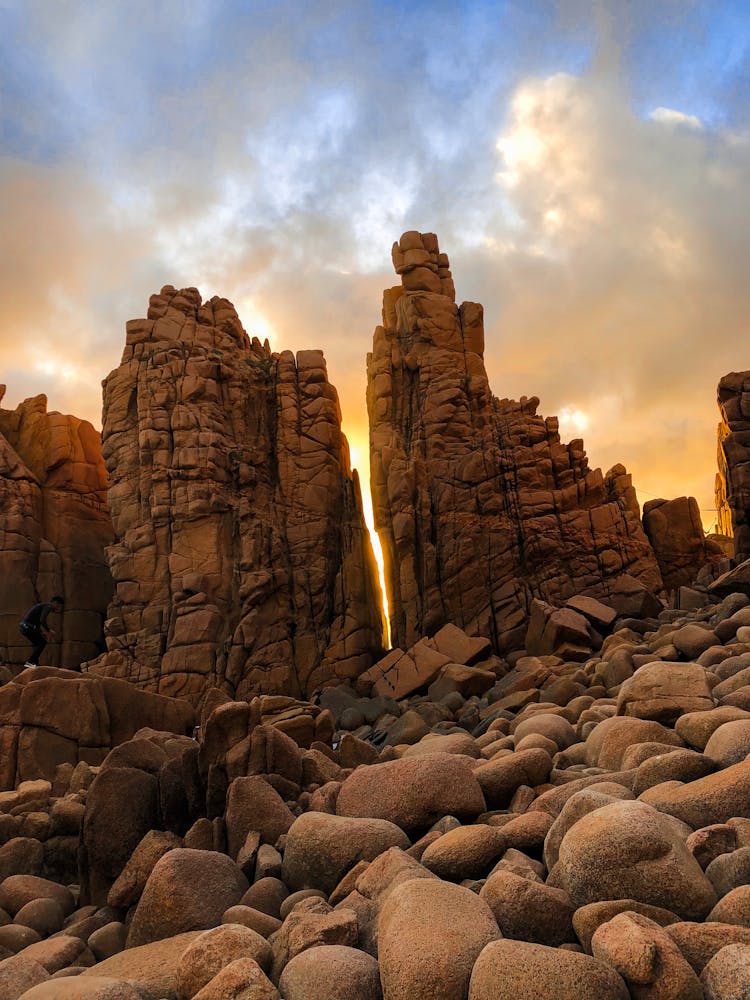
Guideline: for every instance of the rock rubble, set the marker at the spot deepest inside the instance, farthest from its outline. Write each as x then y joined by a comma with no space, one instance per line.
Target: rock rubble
558,827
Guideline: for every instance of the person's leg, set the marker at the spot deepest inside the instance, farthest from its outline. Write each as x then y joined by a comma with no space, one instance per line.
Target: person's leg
39,643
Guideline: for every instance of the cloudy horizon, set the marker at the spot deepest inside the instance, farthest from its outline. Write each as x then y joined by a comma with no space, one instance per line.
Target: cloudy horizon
585,164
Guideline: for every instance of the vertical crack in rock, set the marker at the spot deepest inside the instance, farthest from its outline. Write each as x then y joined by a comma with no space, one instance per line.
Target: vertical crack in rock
54,527
241,558
479,505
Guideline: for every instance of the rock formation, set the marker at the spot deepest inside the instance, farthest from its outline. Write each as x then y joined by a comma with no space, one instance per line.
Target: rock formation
50,717
479,505
573,830
241,558
54,526
733,477
675,531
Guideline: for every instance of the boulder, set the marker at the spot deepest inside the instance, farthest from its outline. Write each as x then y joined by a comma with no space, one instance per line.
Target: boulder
647,958
151,968
209,953
727,975
663,691
320,848
416,920
187,890
629,850
331,972
252,804
414,792
529,911
519,970
132,879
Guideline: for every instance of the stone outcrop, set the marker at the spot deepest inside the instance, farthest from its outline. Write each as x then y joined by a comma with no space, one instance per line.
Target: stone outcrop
733,448
241,557
54,526
675,531
479,505
50,717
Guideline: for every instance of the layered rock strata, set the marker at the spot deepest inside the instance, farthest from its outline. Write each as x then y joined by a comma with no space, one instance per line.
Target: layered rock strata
241,558
479,505
675,531
54,527
733,447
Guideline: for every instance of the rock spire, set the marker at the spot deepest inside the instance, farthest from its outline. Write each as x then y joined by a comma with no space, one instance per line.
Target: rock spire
479,505
241,557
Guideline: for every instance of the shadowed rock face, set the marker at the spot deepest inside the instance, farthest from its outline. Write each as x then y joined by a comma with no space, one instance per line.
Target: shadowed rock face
241,556
479,505
733,477
54,526
675,531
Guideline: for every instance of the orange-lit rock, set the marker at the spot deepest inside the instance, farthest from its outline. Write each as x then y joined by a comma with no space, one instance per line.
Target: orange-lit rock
54,526
675,531
733,478
479,505
241,557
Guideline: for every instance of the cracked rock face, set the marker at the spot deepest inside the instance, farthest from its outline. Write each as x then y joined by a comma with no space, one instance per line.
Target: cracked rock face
241,557
733,477
54,527
675,531
479,505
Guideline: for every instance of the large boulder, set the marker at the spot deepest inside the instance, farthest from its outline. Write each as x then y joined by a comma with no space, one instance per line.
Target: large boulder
320,848
610,739
430,933
629,850
663,691
151,968
205,957
122,805
529,911
647,958
187,890
331,972
519,970
414,792
252,804
713,799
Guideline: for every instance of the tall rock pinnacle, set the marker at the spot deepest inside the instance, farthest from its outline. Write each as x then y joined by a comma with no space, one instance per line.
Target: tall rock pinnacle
241,557
54,527
479,505
733,478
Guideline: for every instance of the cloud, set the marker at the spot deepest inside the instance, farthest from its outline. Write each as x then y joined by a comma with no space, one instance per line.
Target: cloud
622,294
272,152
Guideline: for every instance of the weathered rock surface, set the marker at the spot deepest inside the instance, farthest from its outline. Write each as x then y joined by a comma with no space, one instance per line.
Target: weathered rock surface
733,477
241,556
479,505
53,532
50,716
675,530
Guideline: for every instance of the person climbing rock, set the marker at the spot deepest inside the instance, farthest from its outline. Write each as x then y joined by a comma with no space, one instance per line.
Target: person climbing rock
34,628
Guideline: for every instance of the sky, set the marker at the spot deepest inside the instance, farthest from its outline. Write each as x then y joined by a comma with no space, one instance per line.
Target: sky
585,164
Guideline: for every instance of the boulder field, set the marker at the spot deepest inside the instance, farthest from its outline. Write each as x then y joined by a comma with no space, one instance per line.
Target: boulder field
458,826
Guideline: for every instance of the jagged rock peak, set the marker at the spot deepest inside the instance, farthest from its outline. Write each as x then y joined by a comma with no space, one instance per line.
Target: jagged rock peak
479,505
241,559
54,527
